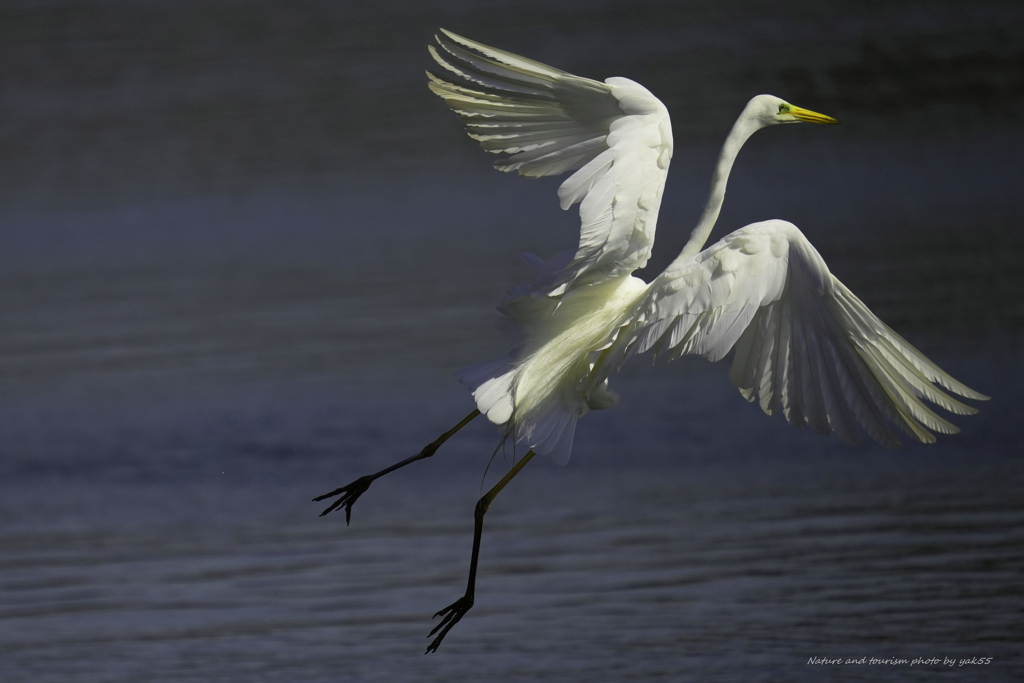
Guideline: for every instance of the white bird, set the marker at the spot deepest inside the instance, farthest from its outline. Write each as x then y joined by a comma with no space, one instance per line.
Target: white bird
805,346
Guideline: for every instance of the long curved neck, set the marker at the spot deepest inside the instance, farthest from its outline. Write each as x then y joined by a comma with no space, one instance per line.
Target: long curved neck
744,127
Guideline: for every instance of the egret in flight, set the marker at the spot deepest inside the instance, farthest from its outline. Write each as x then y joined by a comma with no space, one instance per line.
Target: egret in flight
805,346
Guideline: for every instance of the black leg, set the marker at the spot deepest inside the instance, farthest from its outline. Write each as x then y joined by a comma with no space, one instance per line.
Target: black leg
455,611
350,493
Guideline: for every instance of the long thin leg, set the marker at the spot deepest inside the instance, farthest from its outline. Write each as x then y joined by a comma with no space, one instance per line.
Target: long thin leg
349,494
455,611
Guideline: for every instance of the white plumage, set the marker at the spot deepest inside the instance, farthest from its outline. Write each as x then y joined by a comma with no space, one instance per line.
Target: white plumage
804,345
616,133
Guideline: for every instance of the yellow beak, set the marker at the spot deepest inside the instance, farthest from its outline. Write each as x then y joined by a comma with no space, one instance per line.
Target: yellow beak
809,116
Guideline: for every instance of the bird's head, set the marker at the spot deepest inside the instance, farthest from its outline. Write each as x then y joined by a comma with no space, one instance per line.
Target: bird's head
769,110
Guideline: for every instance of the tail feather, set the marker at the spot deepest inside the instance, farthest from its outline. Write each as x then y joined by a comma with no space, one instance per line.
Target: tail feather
491,386
547,430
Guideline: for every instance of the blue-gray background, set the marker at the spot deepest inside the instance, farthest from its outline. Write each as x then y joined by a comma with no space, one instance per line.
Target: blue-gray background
242,249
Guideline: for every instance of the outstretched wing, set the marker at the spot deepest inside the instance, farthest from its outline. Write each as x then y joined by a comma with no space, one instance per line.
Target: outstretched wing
804,343
616,135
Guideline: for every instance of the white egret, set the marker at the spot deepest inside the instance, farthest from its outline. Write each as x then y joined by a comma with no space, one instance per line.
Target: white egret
804,345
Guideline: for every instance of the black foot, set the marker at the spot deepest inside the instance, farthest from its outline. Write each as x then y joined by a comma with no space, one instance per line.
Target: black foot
452,613
349,495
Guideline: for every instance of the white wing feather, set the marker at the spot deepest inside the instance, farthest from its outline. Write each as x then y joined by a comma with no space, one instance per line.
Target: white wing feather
616,135
804,343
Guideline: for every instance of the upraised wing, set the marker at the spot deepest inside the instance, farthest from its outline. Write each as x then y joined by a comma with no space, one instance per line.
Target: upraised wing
804,343
616,135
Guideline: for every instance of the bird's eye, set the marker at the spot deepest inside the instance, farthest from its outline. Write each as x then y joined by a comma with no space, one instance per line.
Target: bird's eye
782,108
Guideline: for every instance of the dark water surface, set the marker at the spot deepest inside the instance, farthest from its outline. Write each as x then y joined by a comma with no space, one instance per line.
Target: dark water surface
148,546
243,250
